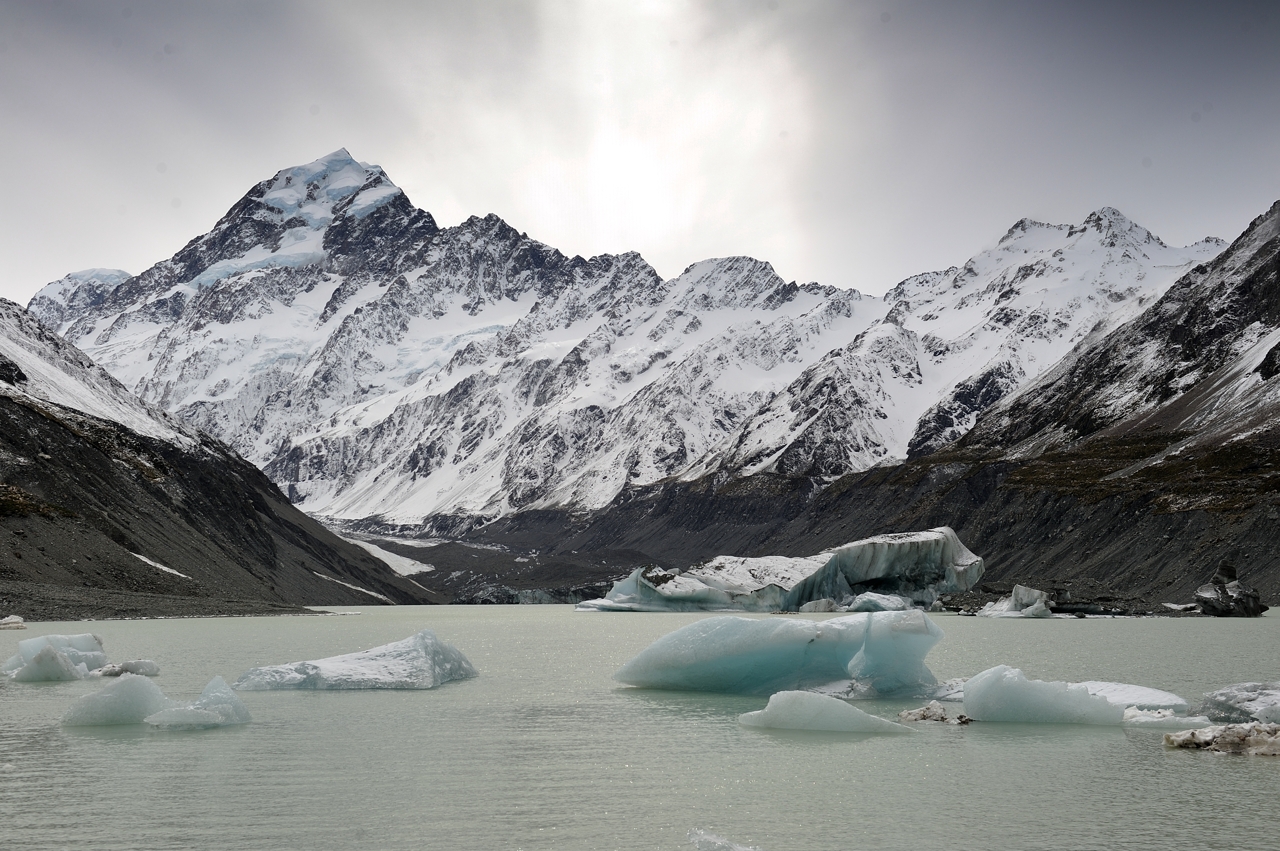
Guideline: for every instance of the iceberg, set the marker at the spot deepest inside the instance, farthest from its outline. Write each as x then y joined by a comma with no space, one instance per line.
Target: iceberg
1255,738
916,565
1024,602
884,573
55,657
12,622
421,661
802,710
217,706
1244,702
883,652
1005,694
127,700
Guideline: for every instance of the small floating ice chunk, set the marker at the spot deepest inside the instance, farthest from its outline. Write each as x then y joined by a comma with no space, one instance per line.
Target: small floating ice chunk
1005,694
421,661
1135,717
803,710
128,700
1244,702
83,649
932,711
1256,738
745,656
12,622
142,667
217,706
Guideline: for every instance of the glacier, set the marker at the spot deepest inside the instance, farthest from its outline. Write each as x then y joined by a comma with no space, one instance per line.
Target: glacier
882,573
421,661
803,710
882,653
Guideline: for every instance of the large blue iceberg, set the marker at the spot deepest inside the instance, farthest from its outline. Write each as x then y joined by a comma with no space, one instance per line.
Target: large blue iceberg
880,653
912,567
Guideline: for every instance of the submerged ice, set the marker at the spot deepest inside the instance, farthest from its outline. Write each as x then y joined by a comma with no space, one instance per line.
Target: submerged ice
134,699
217,706
803,710
881,651
420,661
887,572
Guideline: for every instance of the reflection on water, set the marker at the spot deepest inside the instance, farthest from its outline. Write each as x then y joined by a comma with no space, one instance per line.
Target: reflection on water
545,751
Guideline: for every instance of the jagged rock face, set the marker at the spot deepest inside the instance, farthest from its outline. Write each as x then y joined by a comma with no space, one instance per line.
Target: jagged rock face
378,366
1200,360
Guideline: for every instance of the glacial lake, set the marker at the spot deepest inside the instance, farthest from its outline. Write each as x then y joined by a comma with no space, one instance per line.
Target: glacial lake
545,751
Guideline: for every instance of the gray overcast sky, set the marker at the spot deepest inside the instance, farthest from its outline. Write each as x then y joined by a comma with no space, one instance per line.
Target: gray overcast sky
849,143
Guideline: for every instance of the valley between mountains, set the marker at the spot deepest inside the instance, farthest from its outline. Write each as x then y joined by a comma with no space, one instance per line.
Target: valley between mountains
1085,404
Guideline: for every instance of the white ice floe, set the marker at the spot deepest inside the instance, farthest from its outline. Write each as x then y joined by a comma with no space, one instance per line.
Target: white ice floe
1024,602
803,710
127,700
55,657
1005,694
143,667
1244,702
1139,697
1256,738
421,661
881,652
217,706
12,622
915,566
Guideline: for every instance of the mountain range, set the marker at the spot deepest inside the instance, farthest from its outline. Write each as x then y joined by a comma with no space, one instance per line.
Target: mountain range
382,369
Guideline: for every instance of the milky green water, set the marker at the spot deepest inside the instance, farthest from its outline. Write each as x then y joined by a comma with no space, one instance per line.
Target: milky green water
545,751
